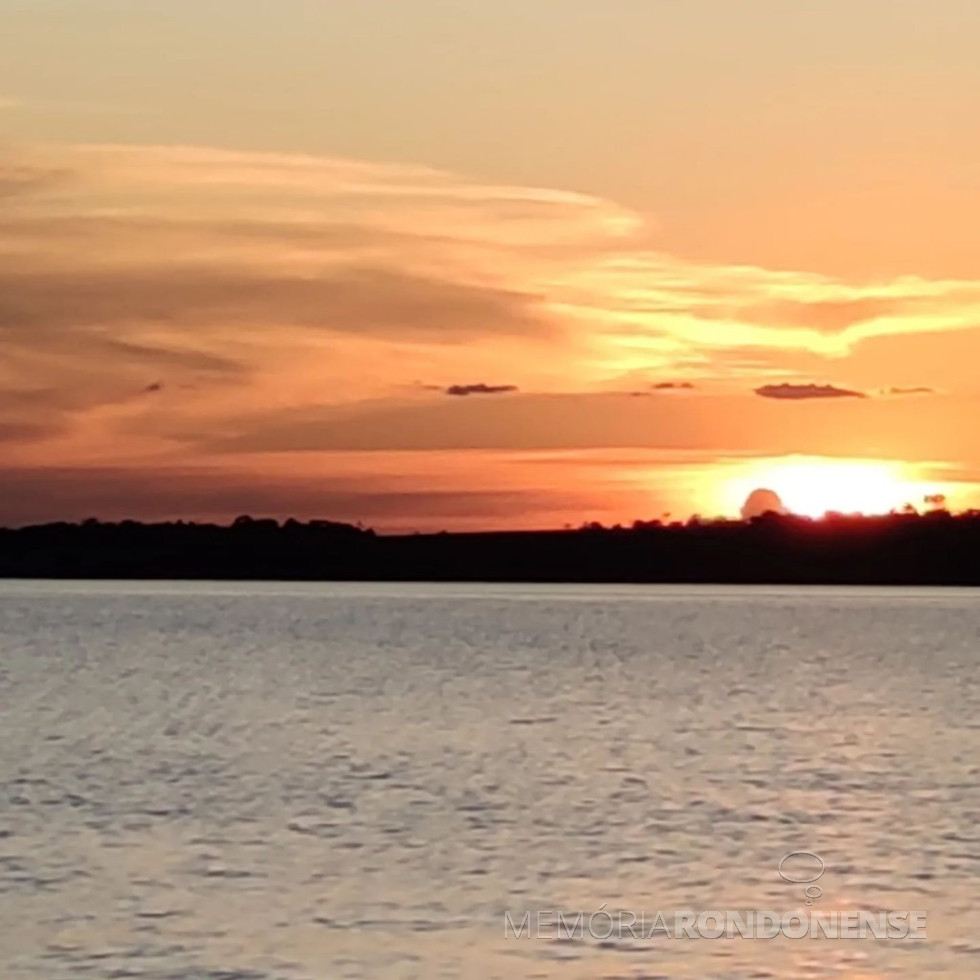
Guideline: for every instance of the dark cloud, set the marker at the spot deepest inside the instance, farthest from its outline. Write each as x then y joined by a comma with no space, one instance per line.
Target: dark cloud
75,371
480,389
90,336
371,302
794,392
139,355
335,237
673,386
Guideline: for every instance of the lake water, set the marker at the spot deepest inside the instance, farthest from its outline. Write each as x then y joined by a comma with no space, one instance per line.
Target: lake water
250,782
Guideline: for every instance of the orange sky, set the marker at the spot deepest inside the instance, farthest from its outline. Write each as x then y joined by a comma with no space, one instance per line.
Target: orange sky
487,268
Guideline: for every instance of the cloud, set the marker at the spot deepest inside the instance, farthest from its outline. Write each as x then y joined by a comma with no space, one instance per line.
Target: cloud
357,300
19,180
153,388
255,267
128,352
199,237
801,392
915,390
292,299
31,495
480,389
27,431
571,421
662,386
828,315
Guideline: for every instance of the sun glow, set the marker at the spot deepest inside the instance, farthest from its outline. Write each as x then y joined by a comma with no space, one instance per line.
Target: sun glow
813,487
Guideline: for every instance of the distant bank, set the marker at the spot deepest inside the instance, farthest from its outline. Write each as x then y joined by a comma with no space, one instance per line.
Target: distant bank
900,549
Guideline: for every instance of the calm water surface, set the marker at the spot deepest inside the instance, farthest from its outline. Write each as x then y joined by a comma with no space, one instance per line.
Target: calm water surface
280,782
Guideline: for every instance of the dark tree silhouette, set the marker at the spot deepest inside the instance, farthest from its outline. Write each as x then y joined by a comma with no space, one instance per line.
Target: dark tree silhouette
934,548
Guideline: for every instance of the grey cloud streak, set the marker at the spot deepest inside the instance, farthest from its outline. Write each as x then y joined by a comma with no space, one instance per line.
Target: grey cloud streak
480,389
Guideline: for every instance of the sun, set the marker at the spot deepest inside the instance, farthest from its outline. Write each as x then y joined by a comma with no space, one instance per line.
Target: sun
812,487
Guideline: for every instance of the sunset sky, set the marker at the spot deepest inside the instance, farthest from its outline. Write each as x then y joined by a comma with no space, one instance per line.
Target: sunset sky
462,264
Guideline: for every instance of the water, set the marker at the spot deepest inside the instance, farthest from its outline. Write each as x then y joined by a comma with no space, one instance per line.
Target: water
279,782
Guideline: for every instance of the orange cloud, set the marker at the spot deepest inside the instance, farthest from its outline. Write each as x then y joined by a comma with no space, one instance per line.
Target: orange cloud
286,304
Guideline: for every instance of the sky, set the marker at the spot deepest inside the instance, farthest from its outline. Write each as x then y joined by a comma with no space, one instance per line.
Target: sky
454,264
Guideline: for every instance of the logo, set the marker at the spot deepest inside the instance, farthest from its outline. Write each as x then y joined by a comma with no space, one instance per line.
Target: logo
796,868
814,892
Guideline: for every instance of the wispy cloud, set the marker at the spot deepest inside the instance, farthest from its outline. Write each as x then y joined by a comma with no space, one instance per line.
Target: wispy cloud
915,390
286,296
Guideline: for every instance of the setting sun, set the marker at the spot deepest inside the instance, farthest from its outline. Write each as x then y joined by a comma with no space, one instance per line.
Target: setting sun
814,487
